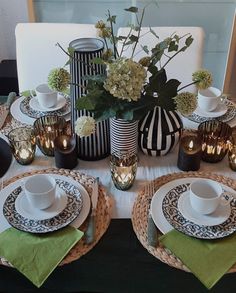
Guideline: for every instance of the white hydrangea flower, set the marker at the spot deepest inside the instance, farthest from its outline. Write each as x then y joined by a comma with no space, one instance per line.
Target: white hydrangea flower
125,79
85,126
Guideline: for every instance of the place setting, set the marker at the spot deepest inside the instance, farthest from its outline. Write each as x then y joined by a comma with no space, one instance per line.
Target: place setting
49,207
39,102
190,208
212,105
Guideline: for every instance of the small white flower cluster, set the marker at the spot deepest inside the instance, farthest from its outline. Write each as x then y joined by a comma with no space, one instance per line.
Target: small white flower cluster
84,126
125,79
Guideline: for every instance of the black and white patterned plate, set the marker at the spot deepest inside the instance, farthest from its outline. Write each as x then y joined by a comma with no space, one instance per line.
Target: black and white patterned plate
27,110
176,219
229,115
72,210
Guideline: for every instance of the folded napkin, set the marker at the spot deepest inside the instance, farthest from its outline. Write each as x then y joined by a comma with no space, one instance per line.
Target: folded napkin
36,256
208,260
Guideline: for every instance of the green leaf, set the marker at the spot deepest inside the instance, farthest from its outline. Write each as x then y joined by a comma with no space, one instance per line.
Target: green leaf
133,38
112,19
27,93
85,103
177,38
132,9
173,47
71,51
97,60
145,49
189,41
153,32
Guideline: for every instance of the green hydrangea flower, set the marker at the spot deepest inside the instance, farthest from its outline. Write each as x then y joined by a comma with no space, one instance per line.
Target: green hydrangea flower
186,103
203,79
85,126
125,79
59,79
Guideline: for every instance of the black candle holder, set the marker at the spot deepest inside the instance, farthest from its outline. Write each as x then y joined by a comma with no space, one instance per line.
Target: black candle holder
65,151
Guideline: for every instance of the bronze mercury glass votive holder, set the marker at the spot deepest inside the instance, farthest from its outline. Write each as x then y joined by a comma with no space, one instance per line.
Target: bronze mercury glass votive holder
123,166
232,156
215,137
23,144
47,128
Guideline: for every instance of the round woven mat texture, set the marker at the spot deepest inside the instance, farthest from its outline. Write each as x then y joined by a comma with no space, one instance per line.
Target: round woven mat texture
103,212
140,215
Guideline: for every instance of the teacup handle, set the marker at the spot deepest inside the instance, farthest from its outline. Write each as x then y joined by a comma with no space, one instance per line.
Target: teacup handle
225,199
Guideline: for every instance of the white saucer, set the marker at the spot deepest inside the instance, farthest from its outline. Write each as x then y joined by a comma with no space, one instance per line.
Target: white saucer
24,208
34,104
219,111
220,215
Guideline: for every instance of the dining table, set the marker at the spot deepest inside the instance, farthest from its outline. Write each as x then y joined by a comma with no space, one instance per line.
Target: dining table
118,262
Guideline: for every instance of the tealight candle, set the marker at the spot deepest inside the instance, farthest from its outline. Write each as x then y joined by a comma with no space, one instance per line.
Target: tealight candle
123,169
65,152
189,156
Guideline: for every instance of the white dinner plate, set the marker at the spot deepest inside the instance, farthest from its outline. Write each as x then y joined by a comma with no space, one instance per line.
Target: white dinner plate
19,116
76,223
220,110
25,209
156,204
219,216
34,104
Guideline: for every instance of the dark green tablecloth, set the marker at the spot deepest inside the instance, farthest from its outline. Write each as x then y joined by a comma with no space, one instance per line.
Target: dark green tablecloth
118,263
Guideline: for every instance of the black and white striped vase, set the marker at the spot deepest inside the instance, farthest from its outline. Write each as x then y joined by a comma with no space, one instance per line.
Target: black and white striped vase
97,145
124,135
159,131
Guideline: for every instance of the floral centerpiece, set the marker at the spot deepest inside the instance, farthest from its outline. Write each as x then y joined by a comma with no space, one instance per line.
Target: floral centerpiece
125,92
130,89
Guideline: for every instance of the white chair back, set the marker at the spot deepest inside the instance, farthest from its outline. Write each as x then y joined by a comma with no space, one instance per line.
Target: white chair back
184,64
36,50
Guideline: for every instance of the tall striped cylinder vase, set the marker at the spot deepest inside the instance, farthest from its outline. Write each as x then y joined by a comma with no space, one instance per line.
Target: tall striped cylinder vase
96,146
124,135
159,131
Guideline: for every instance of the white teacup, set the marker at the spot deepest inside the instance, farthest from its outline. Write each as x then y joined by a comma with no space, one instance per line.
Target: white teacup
206,195
40,190
209,99
47,98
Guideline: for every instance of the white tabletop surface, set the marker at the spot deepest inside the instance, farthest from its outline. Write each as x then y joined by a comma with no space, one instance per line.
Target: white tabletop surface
149,168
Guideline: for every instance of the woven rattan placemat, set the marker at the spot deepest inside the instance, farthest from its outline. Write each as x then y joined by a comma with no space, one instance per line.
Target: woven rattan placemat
103,213
141,209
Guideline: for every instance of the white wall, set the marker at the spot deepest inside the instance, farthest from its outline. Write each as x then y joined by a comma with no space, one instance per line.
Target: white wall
11,12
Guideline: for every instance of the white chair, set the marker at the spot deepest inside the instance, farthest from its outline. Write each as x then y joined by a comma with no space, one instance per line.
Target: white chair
184,64
36,50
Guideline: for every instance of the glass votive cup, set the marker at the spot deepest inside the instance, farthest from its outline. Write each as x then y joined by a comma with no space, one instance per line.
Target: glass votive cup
123,166
47,128
232,157
23,144
215,137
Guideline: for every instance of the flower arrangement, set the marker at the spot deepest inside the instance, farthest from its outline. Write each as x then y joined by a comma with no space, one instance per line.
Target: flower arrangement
124,91
59,80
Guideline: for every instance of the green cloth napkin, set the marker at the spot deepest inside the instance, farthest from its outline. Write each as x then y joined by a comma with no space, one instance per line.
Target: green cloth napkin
208,260
36,256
